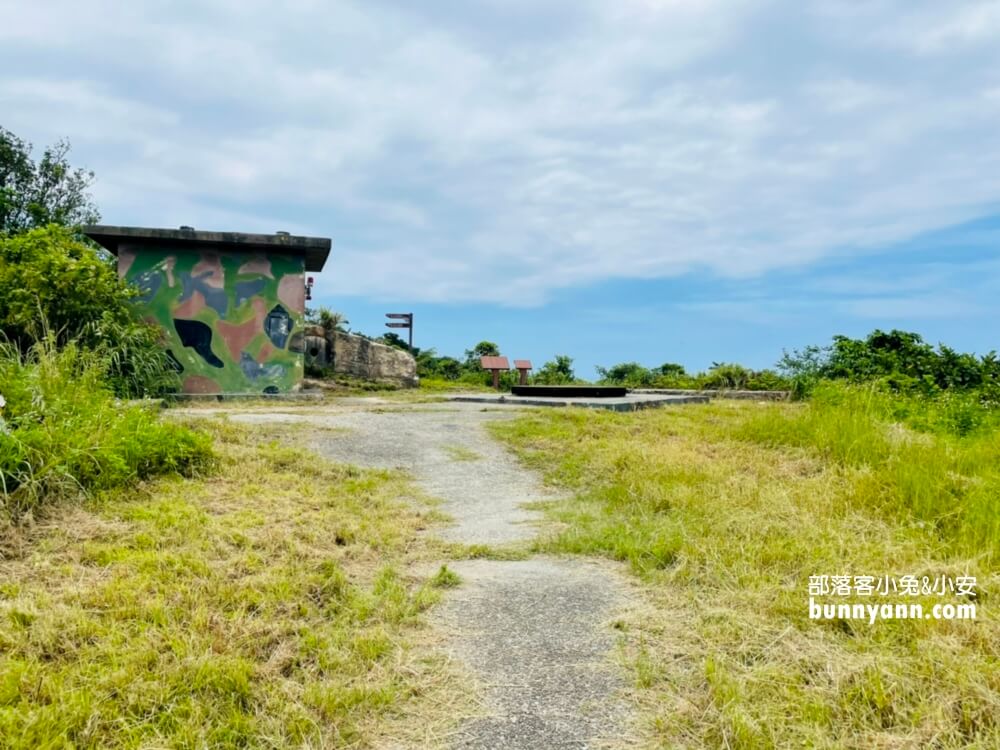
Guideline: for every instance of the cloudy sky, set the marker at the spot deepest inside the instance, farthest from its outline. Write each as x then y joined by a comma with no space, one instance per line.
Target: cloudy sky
658,180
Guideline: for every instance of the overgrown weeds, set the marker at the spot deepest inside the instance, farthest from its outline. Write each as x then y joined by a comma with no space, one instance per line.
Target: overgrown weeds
268,605
726,510
63,433
54,288
942,476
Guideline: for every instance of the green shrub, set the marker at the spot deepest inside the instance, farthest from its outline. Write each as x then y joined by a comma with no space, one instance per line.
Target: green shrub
901,359
52,285
558,371
63,432
767,380
630,374
443,368
51,282
723,375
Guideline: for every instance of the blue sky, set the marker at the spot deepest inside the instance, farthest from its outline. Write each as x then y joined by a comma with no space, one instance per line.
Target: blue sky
651,180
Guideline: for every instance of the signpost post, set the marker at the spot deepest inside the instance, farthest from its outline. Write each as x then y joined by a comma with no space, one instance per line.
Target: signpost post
407,319
495,365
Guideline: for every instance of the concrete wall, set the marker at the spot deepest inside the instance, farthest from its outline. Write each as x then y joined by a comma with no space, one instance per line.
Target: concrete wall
232,322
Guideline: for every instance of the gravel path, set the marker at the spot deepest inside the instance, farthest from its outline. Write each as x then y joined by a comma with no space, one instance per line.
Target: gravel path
536,633
447,451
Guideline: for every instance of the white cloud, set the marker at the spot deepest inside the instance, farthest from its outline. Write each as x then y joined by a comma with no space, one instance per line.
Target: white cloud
924,307
500,151
945,26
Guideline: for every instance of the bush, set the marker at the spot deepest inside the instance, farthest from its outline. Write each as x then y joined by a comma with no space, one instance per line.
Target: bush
63,432
558,371
724,375
630,374
53,285
48,280
901,359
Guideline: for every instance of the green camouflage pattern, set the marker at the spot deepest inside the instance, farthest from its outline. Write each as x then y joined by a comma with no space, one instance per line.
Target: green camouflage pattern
232,321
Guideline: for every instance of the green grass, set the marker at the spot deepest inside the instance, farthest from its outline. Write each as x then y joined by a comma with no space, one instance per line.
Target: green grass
723,512
446,578
63,433
435,385
268,605
947,480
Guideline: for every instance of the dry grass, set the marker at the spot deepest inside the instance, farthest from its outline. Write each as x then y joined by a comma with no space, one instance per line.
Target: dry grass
270,605
725,531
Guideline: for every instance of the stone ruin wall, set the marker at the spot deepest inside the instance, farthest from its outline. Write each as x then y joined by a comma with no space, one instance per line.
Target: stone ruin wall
359,357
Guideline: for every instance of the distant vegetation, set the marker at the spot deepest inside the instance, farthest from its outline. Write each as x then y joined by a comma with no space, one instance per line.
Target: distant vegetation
933,388
329,320
901,361
720,376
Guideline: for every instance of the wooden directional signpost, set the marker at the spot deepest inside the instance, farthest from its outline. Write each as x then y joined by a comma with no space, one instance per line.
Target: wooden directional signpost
495,365
402,320
523,366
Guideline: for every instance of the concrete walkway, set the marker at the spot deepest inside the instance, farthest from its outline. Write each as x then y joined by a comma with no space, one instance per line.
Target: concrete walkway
536,633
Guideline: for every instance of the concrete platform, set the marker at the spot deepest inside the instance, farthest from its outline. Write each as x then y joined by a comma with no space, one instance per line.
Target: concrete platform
630,402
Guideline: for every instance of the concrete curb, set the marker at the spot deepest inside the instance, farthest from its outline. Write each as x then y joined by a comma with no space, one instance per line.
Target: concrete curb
626,404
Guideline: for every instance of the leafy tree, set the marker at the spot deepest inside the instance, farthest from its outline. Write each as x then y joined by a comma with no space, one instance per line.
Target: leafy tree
49,191
880,354
953,369
556,372
482,349
49,279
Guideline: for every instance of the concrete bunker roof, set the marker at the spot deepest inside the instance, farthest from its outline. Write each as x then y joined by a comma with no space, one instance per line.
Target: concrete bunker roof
315,249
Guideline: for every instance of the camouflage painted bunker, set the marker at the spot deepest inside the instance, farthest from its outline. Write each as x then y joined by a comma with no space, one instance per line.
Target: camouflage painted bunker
231,305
